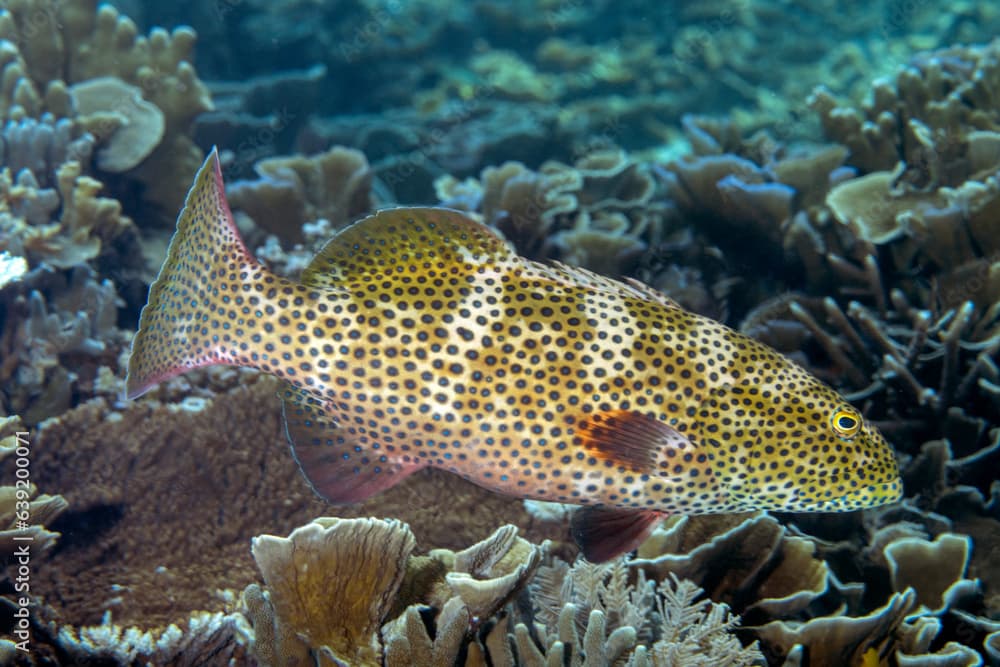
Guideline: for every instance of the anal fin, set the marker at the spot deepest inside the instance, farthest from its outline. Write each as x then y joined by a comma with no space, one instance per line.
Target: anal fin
340,466
606,532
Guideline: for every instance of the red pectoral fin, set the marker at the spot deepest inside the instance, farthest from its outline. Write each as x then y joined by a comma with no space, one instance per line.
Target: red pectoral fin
629,439
604,533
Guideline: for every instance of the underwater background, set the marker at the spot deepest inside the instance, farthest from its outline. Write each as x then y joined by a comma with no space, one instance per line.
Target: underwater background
822,176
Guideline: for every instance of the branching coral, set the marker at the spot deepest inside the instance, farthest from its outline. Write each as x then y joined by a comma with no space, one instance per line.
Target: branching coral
694,632
88,226
71,42
74,327
204,639
611,600
934,117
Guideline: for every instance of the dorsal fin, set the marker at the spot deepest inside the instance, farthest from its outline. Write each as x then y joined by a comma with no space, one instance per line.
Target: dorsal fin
651,293
404,239
628,287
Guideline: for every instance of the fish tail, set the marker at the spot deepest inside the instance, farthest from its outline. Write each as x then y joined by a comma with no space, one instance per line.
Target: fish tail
182,324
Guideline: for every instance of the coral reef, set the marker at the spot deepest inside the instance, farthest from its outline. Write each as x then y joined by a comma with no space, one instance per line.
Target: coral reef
89,227
853,228
55,46
68,322
204,639
133,126
597,213
315,579
17,525
289,192
595,615
118,466
409,149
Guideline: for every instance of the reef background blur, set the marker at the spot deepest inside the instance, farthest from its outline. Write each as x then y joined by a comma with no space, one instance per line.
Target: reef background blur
822,177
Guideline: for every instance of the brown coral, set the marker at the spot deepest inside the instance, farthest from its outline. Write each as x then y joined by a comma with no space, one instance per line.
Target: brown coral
334,185
330,584
598,213
224,460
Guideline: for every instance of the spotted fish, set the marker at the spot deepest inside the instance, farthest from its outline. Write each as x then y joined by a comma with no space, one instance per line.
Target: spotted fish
417,338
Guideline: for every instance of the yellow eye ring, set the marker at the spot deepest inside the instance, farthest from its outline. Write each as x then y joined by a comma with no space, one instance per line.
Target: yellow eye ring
846,423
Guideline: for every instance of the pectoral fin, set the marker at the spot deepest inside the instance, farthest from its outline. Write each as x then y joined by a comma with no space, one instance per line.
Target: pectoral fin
629,439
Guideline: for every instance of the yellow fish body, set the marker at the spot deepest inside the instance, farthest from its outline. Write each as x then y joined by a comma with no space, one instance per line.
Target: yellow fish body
418,338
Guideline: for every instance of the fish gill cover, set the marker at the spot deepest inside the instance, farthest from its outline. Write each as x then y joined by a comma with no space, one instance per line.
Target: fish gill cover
680,159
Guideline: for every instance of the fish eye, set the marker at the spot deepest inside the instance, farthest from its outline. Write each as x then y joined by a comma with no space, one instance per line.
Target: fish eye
845,423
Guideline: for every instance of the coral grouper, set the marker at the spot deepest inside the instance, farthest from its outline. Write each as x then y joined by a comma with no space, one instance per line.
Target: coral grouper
418,338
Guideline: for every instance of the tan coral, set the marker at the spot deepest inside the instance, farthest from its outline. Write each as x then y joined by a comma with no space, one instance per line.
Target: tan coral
778,573
20,526
87,224
78,40
514,78
86,216
524,204
837,640
334,185
407,642
926,117
18,96
136,125
318,605
488,574
869,204
597,213
245,483
935,570
330,583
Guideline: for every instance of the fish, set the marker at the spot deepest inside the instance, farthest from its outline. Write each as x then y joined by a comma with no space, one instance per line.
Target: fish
417,338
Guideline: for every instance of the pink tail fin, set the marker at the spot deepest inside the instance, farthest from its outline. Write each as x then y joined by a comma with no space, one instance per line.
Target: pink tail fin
179,328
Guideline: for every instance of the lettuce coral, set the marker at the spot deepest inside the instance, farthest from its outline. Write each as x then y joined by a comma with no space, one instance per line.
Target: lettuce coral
598,213
318,580
291,191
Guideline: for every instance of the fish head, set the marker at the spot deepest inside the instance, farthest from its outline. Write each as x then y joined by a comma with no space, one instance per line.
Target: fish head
793,444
